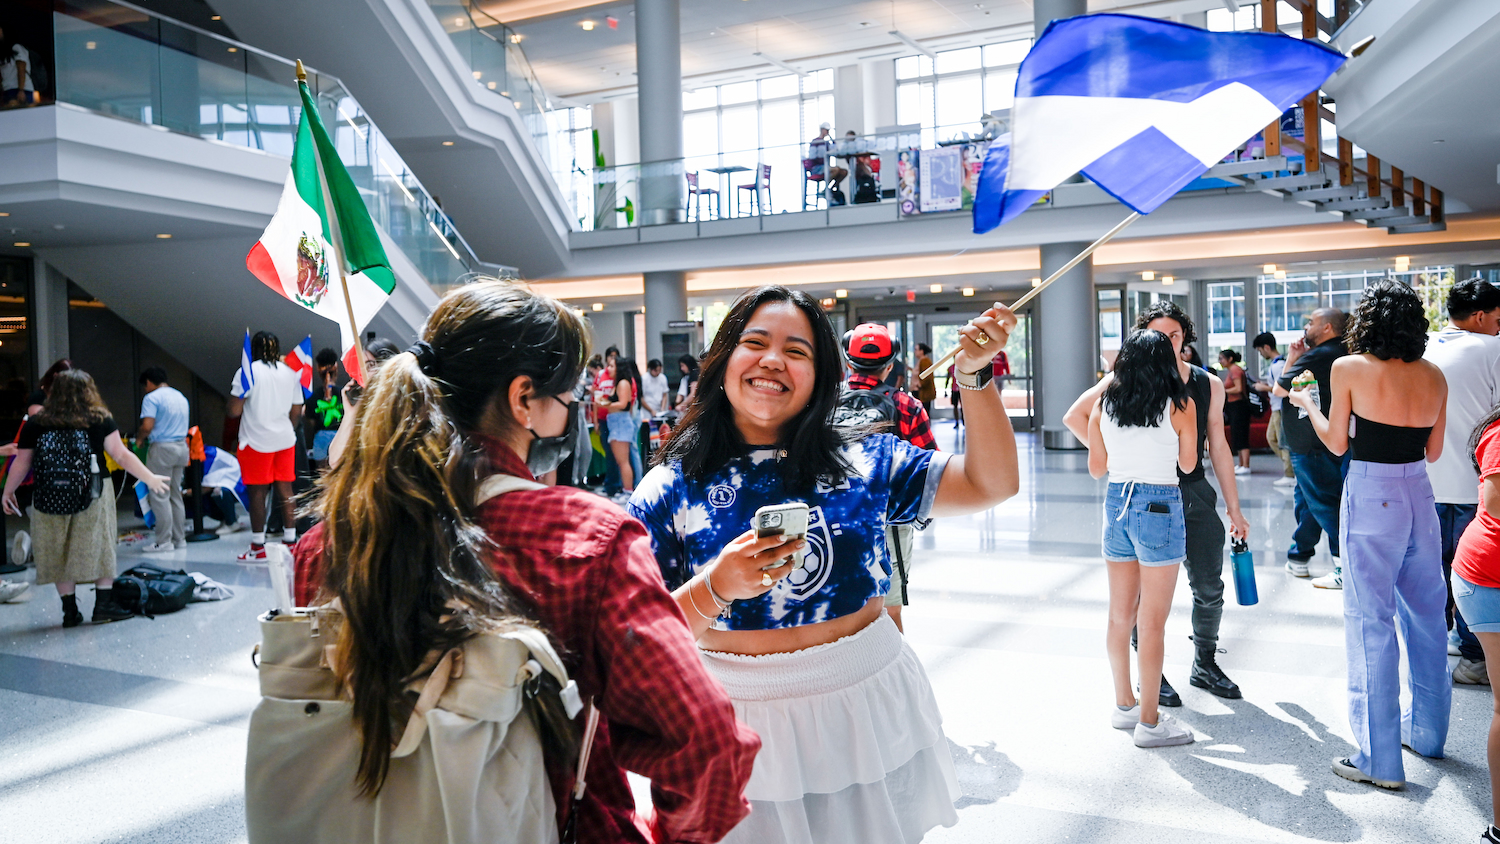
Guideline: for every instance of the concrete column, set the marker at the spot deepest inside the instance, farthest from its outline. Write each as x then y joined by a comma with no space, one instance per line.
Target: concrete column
1252,322
658,62
1044,12
879,83
627,148
848,100
666,300
1067,328
49,307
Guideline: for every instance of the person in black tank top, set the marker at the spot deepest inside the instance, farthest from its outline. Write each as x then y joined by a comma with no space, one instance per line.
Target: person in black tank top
1392,550
1205,528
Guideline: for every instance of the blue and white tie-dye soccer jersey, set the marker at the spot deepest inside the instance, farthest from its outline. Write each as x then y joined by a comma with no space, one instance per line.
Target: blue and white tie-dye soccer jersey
845,563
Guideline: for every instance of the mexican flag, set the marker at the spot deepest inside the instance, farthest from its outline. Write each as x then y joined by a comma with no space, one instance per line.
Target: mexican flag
299,254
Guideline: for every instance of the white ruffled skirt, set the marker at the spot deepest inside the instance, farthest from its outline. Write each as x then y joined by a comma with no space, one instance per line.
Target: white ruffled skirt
852,751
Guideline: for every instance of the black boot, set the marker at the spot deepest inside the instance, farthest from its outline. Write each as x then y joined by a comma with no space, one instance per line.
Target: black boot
105,608
1208,675
1168,696
71,616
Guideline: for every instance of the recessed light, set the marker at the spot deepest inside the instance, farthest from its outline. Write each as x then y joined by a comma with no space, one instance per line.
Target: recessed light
1036,282
841,294
491,85
968,291
1279,274
598,306
163,237
936,288
516,38
89,45
215,17
1166,279
4,213
21,243
1268,269
234,49
458,21
478,74
1148,275
447,143
502,93
588,26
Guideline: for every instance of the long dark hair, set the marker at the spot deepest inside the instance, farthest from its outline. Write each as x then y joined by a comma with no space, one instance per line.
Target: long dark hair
707,438
1389,322
403,551
72,402
1478,433
626,370
1146,377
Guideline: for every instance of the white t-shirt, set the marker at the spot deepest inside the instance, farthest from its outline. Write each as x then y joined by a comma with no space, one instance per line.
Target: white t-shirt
653,390
264,424
1471,363
8,70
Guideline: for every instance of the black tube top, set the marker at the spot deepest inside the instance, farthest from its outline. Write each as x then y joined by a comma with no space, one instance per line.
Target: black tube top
1377,442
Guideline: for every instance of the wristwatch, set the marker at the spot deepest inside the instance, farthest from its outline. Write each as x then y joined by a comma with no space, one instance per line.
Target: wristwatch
974,380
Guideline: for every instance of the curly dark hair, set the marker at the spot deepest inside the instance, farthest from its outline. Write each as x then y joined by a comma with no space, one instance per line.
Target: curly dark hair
1169,309
1389,322
1145,380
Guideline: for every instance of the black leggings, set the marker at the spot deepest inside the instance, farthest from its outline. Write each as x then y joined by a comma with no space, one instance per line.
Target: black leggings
1237,418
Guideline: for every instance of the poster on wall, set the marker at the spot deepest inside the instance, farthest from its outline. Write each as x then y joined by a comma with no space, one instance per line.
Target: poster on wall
907,166
941,180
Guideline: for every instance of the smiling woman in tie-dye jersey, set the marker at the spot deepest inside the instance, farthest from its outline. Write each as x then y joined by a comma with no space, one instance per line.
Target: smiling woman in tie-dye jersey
853,742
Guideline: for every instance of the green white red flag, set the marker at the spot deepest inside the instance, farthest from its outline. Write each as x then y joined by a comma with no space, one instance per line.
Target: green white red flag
297,257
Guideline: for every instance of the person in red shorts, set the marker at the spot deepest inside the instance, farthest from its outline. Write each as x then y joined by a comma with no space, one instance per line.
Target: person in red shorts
268,402
1476,577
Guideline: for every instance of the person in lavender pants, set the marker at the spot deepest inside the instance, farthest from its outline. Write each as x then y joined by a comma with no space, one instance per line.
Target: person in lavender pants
1389,409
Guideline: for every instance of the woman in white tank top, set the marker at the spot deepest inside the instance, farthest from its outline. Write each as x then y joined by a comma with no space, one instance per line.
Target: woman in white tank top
1141,431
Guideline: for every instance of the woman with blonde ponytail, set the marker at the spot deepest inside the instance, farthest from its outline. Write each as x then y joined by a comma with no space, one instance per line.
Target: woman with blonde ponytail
418,568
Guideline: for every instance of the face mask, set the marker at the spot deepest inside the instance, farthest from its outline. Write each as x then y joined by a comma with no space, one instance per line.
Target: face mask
547,453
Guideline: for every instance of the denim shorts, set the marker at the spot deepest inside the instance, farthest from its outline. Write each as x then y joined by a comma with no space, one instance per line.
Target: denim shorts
621,427
1134,534
1479,605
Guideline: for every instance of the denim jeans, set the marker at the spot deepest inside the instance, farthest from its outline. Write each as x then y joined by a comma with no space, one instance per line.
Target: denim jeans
1320,485
1452,519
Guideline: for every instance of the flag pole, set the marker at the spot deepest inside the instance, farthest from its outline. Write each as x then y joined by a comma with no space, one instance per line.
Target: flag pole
1032,294
338,250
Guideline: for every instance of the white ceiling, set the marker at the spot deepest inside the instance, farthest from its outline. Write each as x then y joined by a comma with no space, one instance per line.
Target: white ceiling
720,37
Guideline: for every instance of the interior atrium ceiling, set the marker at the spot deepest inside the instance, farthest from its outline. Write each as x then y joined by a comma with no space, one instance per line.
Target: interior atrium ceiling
721,37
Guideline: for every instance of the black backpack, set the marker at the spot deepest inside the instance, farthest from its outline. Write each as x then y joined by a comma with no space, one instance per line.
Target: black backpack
65,471
150,590
866,408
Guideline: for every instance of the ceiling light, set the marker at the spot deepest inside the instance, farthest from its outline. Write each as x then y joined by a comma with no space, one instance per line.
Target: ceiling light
215,17
968,291
936,288
21,243
234,49
478,74
1036,282
1403,263
4,213
1166,279
779,63
1148,275
491,85
89,45
163,237
516,38
1268,269
718,304
588,26
447,143
458,21
826,303
598,306
912,43
841,294
1279,274
1440,141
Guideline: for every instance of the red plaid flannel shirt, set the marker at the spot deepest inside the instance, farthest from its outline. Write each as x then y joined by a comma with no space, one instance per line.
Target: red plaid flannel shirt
912,423
588,570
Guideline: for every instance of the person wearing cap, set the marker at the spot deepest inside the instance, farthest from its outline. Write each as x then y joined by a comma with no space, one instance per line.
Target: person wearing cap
819,150
871,354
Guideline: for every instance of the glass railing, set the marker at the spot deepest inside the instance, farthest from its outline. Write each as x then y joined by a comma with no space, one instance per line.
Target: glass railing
494,54
769,180
124,61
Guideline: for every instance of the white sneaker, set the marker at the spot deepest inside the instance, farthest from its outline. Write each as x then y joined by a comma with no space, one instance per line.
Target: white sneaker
1167,732
14,591
1345,768
1298,568
1471,672
159,548
1331,580
1285,483
232,527
20,549
1125,719
1242,470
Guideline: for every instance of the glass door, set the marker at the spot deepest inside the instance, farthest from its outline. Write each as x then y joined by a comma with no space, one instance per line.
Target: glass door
1016,391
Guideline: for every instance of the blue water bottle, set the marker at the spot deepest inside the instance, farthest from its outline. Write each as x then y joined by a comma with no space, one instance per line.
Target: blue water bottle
1244,573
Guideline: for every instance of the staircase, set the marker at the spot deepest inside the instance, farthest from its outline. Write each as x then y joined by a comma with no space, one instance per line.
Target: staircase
1376,194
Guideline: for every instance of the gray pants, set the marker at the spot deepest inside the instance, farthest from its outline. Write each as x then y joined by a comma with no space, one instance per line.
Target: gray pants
168,459
1205,558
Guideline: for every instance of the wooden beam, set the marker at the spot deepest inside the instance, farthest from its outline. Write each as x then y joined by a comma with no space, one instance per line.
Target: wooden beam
1372,174
1273,131
1437,205
1398,186
1312,133
1309,21
1346,162
1418,197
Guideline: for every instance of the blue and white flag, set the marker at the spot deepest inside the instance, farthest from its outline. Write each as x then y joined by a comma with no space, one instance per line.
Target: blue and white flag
221,470
1141,107
246,377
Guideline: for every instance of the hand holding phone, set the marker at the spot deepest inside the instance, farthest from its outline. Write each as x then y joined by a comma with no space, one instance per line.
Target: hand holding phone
788,521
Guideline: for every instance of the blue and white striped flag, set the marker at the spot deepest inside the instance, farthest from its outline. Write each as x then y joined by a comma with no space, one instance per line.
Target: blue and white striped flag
246,378
1141,107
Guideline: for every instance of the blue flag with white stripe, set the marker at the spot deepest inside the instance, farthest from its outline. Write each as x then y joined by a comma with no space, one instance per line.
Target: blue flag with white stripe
1141,107
246,379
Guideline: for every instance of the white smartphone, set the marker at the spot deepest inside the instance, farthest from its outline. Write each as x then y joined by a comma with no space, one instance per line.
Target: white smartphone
786,520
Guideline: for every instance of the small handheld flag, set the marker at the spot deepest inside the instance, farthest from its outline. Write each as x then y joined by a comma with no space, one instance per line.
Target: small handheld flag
1140,106
246,380
300,360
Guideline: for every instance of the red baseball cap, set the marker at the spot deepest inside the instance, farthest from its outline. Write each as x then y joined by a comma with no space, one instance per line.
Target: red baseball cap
869,346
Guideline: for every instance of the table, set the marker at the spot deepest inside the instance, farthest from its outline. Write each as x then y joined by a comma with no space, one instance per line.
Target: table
724,181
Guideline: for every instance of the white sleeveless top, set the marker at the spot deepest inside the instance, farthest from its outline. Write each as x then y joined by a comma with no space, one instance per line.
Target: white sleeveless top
1144,455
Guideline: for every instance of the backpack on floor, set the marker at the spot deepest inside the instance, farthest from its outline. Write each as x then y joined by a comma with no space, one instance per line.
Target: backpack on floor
66,472
873,407
151,590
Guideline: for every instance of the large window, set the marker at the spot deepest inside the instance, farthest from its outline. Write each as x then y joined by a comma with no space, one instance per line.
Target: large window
947,96
572,139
